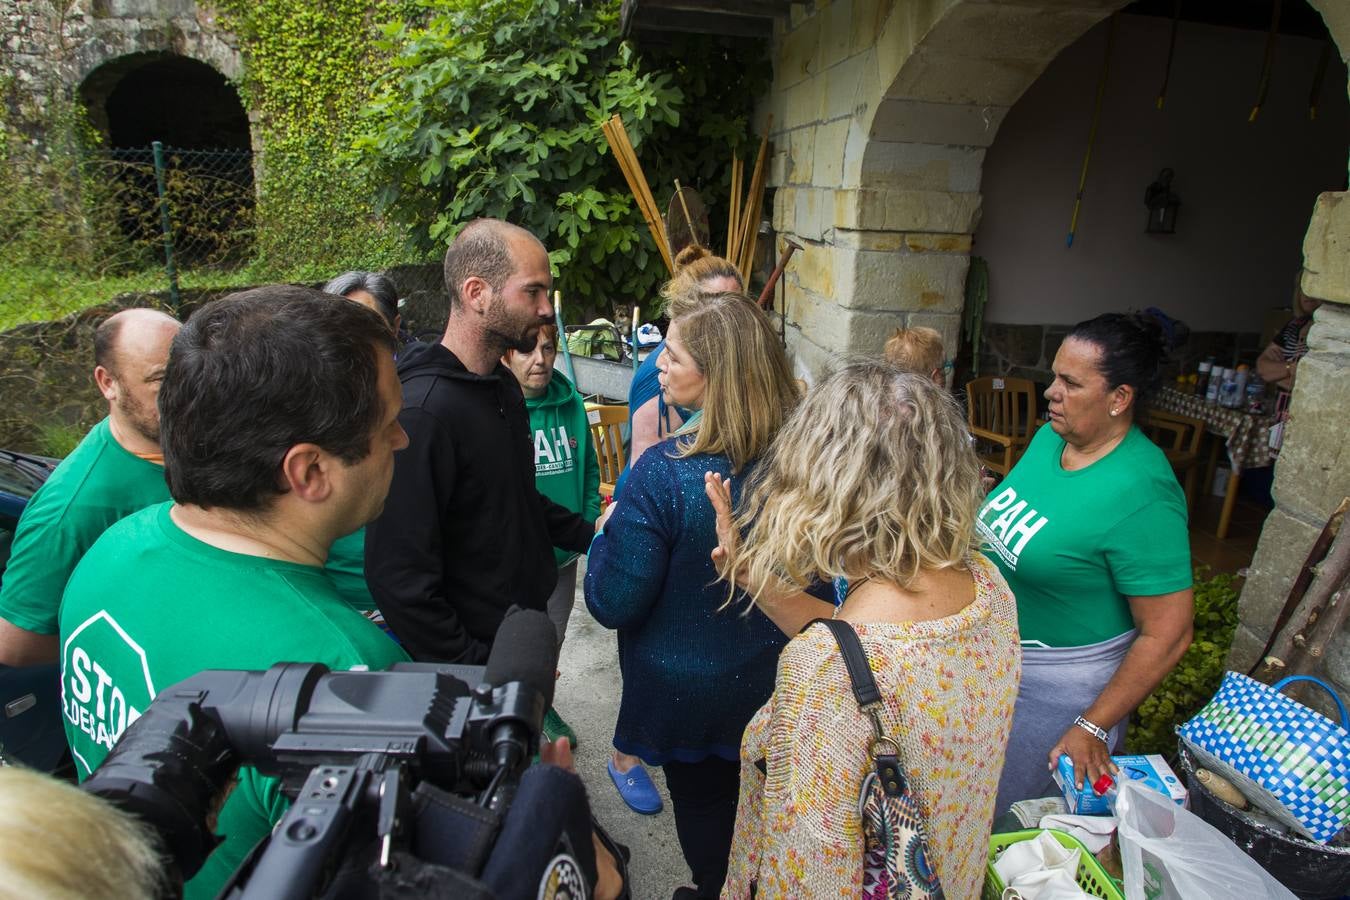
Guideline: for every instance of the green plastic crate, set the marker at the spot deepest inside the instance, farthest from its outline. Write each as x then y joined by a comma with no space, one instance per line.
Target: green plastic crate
1091,876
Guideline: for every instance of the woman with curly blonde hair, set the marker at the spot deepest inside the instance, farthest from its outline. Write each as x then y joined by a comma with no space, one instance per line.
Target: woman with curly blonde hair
872,480
693,673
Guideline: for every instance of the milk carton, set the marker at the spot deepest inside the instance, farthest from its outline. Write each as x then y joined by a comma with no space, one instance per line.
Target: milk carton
1151,771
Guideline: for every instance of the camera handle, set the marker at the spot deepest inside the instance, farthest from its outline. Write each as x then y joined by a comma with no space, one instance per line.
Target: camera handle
291,862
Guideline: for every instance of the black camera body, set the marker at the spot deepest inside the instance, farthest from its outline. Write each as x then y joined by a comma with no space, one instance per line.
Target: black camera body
397,779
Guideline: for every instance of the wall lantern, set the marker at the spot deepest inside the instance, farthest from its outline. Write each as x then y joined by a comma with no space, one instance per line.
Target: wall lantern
1162,205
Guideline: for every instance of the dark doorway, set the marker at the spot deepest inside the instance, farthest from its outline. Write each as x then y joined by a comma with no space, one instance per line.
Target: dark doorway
199,184
177,101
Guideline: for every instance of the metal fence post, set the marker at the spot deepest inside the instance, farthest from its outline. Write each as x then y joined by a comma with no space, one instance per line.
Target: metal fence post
169,268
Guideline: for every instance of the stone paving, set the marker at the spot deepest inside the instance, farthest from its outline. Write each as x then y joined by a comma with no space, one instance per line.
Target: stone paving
588,698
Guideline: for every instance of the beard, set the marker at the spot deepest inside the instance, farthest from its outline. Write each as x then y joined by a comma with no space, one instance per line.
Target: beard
140,418
519,333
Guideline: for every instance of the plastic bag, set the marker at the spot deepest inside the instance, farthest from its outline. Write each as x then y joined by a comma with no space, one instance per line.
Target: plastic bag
1169,853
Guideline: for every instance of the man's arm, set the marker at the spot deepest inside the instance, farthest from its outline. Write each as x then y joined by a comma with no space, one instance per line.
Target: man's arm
405,549
566,529
21,647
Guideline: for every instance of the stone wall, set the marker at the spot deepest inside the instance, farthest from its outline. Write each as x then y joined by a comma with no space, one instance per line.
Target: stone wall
1313,472
882,110
52,47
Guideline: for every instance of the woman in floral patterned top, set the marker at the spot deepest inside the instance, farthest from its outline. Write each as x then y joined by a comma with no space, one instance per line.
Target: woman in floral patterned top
872,480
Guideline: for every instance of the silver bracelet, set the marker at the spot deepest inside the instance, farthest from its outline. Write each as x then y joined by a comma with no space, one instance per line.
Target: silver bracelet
1092,728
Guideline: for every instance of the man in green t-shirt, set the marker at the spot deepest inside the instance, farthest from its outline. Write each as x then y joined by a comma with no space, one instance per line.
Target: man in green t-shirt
117,469
280,421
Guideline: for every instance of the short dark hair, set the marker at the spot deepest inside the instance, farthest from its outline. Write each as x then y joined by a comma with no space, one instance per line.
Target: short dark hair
105,341
255,373
1132,347
481,249
373,283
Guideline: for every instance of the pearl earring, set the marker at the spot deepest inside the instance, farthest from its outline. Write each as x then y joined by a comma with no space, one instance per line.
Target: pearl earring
1115,412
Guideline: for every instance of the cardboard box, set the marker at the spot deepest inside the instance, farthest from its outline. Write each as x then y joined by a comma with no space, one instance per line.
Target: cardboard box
1150,771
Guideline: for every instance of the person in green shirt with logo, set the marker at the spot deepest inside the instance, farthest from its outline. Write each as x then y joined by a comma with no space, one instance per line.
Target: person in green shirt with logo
1089,529
117,469
280,422
566,469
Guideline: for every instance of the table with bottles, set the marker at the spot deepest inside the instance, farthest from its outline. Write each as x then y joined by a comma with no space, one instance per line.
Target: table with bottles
1246,439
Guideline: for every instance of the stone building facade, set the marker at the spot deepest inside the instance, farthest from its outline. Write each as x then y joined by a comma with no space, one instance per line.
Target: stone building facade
882,114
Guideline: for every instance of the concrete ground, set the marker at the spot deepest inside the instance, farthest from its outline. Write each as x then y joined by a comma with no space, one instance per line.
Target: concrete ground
587,697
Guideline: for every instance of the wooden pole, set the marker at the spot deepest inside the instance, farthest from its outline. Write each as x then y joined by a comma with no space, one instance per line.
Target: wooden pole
733,206
754,202
1331,573
622,149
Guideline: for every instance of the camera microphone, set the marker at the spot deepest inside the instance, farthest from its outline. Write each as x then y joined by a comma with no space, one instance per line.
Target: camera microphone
525,651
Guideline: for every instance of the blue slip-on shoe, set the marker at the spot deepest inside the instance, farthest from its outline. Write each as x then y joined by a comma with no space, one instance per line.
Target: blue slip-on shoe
636,788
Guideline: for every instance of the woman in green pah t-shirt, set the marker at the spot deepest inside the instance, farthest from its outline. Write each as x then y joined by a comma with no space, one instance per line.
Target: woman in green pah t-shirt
1089,529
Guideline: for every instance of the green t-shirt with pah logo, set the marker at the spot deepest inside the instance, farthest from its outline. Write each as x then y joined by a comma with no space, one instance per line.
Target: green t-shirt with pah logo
1074,546
150,605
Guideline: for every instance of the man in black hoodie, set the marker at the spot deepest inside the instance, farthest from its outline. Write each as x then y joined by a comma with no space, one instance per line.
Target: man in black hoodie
464,533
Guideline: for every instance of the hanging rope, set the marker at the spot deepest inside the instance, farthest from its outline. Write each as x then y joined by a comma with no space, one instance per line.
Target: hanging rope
1268,65
1092,132
1171,51
1323,61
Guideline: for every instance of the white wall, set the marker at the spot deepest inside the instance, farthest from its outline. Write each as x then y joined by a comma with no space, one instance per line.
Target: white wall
1247,190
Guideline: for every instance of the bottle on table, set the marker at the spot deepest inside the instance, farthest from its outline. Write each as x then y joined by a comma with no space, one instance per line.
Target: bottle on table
1216,377
1202,375
1237,397
1256,396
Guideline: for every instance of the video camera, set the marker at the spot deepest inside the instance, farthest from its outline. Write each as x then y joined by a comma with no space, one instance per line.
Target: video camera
414,782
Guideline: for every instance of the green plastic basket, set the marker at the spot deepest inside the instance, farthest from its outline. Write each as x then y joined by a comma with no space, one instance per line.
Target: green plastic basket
1091,876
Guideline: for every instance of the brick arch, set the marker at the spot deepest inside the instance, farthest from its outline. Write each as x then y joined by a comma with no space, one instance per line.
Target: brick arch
182,29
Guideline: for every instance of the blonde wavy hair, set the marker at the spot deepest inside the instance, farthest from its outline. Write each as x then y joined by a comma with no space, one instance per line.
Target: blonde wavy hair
694,266
750,389
59,843
873,476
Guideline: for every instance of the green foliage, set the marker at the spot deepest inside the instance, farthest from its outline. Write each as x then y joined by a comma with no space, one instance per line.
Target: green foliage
309,68
58,441
1197,676
495,109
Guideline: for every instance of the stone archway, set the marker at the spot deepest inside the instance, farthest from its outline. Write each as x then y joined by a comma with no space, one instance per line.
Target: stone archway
884,110
888,109
59,46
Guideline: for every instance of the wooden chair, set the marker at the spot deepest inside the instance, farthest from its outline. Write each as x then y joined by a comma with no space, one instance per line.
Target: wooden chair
1179,437
1002,417
607,424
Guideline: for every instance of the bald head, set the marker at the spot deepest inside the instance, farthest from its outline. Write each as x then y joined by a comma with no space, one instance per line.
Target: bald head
131,349
137,327
486,249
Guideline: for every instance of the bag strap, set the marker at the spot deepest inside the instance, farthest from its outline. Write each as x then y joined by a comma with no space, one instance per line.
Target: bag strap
885,750
865,688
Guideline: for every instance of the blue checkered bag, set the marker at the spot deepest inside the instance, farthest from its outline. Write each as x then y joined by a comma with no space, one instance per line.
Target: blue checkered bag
1287,759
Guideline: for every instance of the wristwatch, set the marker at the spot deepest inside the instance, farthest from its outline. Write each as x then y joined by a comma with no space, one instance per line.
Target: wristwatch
1091,728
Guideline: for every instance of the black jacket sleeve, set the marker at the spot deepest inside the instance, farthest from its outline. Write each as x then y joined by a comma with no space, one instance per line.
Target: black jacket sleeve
405,558
567,529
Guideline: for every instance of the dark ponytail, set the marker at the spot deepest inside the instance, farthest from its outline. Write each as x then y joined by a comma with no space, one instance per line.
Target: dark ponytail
1133,348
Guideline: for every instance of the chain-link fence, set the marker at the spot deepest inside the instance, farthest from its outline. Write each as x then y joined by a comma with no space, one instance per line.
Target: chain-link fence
171,209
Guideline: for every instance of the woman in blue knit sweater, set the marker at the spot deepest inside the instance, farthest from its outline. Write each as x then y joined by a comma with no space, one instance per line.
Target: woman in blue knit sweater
695,669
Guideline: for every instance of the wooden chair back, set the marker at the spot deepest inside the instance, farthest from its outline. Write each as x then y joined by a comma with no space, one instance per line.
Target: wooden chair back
1002,417
607,424
1179,437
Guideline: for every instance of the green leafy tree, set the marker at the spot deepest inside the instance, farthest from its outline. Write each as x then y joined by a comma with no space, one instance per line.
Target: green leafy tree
1196,677
495,108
